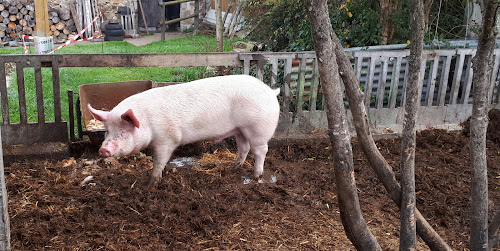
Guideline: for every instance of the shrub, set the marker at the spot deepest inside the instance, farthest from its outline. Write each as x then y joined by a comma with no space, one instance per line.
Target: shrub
283,25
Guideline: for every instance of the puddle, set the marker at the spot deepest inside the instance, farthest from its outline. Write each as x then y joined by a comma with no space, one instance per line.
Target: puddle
247,180
183,162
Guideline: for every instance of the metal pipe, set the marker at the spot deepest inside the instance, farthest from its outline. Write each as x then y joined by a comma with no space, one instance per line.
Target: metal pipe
178,19
174,2
79,119
71,116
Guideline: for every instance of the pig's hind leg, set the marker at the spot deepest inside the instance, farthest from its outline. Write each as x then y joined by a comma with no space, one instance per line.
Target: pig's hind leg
243,149
260,151
161,156
258,137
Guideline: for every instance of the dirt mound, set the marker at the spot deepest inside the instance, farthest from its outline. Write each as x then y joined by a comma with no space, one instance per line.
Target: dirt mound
215,206
493,131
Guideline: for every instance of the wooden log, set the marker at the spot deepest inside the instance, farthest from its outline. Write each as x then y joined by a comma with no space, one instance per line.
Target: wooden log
30,7
13,10
60,25
2,34
66,31
11,25
27,30
69,22
7,30
5,13
19,16
23,11
71,28
31,23
64,14
12,34
12,18
23,22
14,2
2,7
1,19
53,14
74,12
3,27
53,28
19,5
5,20
62,37
56,33
19,27
55,20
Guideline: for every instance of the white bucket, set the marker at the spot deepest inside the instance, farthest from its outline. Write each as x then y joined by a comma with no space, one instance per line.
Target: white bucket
43,45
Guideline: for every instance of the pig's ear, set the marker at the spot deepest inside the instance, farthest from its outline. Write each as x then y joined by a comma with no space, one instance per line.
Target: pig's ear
98,114
129,117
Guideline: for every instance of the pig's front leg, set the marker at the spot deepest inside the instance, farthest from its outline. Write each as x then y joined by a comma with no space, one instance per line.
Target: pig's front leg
161,156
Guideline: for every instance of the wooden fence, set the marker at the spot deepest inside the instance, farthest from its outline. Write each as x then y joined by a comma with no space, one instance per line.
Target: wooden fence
445,90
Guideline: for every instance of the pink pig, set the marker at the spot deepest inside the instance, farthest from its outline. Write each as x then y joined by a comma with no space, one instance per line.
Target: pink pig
206,109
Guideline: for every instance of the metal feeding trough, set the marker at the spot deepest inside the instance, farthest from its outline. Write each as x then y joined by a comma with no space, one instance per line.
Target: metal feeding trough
105,96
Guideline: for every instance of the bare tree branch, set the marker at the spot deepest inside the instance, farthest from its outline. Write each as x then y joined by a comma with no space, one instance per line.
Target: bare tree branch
492,231
350,213
482,66
384,171
408,238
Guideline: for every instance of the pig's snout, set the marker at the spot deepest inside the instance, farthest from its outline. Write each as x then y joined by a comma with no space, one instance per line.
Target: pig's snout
105,152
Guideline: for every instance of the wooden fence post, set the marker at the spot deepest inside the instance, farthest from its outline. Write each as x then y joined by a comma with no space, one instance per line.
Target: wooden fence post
4,221
163,25
197,13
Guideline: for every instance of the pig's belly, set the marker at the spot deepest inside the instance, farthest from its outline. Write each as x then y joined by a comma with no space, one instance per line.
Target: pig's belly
215,135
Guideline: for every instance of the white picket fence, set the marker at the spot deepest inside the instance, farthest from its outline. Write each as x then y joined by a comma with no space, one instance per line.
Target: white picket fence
445,92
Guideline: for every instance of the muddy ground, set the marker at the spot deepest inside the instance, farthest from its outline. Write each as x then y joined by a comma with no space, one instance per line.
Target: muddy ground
211,207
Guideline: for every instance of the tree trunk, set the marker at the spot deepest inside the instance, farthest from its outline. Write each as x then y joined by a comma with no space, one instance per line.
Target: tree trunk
354,225
408,237
219,26
492,231
482,66
379,164
386,23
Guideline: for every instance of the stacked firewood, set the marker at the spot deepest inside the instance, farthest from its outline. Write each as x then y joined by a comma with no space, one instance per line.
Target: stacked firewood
61,24
17,18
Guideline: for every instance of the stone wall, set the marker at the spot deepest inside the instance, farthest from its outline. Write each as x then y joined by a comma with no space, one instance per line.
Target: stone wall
187,9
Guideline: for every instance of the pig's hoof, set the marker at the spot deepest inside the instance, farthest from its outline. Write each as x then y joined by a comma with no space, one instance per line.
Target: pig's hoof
257,174
154,182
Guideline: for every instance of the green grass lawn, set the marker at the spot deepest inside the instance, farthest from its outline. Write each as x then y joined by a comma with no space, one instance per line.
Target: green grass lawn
71,78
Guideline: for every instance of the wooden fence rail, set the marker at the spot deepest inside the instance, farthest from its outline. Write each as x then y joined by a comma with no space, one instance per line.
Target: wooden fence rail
445,90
